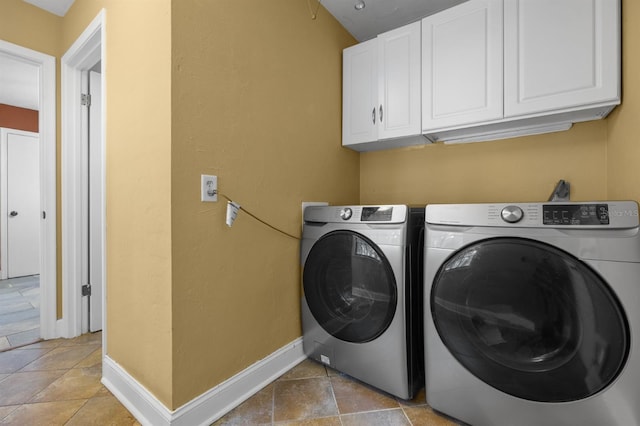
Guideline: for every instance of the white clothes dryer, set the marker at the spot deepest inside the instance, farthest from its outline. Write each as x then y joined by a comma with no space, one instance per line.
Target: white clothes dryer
532,313
362,293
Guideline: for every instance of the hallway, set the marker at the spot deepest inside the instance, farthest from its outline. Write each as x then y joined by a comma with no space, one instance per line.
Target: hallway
57,382
19,311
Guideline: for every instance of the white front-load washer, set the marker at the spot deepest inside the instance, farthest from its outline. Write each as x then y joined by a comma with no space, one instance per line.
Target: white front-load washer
532,313
362,293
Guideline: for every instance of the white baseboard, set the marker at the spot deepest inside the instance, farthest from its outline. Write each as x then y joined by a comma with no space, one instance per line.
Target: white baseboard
211,405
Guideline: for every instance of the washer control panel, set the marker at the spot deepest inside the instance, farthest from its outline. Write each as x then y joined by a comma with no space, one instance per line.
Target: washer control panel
370,215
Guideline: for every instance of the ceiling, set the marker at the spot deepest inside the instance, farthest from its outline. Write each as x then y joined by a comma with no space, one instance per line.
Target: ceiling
379,16
57,7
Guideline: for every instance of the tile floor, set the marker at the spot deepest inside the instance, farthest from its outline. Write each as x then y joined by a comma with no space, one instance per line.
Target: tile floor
57,382
19,311
312,395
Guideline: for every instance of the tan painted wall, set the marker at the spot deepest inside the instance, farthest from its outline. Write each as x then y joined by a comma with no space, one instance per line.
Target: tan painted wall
257,102
522,169
599,159
623,154
31,27
138,172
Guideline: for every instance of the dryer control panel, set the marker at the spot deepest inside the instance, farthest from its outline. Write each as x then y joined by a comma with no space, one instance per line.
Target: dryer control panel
597,214
575,214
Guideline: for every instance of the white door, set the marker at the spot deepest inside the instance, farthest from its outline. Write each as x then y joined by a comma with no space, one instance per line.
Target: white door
23,204
360,93
560,54
95,202
399,97
92,210
462,65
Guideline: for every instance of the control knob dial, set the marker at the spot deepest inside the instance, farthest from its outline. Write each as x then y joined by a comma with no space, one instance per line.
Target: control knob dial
346,213
512,214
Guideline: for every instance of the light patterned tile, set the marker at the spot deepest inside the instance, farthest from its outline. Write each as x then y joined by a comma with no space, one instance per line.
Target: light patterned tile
355,397
303,399
24,337
305,370
106,410
62,357
425,416
77,383
84,339
377,418
13,360
19,388
322,421
46,413
44,344
257,410
92,360
5,411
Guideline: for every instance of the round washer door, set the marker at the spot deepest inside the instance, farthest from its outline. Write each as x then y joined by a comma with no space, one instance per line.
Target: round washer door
349,286
530,320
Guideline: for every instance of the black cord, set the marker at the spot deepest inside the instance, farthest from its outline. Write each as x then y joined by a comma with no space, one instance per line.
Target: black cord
260,220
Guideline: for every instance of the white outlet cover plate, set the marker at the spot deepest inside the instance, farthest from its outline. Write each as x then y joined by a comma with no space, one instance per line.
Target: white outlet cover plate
208,188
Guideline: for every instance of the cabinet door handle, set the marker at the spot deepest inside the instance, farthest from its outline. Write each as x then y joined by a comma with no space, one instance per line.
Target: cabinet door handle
13,213
373,115
381,113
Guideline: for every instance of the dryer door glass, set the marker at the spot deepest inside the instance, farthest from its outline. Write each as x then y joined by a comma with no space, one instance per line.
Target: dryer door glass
530,320
349,286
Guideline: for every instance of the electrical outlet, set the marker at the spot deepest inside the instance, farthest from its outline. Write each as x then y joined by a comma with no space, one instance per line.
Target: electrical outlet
208,188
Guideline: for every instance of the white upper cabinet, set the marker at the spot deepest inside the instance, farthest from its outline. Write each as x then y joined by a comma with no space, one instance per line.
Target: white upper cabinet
560,54
360,93
381,91
462,65
502,68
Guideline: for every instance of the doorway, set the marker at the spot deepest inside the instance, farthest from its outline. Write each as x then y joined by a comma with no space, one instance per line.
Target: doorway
45,204
83,183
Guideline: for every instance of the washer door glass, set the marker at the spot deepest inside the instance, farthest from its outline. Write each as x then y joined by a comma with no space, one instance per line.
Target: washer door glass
349,286
530,320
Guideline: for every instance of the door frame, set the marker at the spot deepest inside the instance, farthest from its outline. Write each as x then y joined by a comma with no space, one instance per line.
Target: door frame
47,130
85,52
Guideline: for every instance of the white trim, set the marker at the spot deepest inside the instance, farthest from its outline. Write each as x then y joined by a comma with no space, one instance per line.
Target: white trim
85,52
48,149
211,405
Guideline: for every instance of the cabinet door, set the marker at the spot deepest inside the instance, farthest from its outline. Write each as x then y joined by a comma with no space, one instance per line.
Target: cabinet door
360,93
462,65
560,54
399,100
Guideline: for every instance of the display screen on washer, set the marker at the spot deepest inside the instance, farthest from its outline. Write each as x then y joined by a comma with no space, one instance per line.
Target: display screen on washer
376,214
575,214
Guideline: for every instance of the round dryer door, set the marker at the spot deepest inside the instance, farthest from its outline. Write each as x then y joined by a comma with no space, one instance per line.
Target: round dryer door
530,320
349,286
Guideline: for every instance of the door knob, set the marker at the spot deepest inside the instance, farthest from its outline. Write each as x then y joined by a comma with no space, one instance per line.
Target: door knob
13,213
